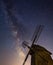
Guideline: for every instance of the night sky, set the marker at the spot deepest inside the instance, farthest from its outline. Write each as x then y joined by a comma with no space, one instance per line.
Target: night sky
18,20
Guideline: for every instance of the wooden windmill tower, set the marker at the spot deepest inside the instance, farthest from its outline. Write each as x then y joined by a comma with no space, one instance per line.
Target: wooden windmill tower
39,55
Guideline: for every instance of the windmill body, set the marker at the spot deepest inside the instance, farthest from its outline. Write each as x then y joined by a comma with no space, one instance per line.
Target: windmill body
40,56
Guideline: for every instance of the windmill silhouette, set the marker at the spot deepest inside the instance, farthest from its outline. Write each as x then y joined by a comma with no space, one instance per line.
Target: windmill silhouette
39,55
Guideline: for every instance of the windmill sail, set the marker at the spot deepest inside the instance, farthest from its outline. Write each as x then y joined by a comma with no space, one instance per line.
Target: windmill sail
26,58
38,31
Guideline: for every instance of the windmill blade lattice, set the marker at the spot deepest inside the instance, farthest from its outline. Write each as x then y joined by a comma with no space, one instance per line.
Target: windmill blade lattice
37,33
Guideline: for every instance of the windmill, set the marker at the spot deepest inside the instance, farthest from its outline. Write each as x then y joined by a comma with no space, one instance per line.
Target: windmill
39,55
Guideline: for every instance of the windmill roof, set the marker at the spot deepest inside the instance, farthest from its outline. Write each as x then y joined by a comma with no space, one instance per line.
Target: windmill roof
41,48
